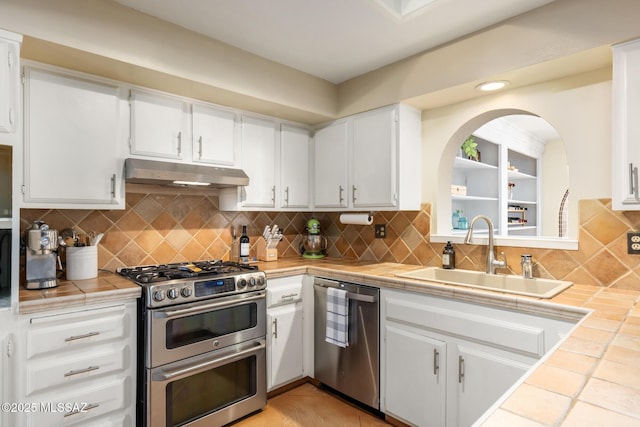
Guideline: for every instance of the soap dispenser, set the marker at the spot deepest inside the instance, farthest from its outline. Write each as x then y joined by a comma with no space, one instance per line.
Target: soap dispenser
449,257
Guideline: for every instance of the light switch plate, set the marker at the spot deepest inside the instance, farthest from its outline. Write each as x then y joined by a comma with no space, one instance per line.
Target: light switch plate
633,242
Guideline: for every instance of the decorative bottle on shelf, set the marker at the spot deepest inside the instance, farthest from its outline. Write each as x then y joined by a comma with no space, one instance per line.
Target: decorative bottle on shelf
449,257
455,217
244,245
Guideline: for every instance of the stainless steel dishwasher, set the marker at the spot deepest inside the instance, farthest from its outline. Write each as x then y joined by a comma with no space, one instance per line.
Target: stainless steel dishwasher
355,369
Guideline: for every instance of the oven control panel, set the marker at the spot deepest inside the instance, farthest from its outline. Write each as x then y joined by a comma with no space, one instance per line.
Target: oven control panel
182,291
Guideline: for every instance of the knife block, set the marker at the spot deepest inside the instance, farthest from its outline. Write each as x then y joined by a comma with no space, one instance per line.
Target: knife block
264,253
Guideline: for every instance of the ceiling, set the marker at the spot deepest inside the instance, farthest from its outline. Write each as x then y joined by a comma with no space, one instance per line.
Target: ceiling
335,40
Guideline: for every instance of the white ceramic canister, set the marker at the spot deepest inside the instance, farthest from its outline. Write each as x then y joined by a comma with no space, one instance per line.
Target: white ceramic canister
82,262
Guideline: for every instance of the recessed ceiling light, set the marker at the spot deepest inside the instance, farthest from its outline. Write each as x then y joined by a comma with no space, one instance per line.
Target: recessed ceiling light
403,8
491,86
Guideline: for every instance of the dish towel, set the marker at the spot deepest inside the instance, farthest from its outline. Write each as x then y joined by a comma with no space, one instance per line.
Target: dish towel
337,317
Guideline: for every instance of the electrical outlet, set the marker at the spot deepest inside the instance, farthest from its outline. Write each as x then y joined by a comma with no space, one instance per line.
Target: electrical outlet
633,242
381,231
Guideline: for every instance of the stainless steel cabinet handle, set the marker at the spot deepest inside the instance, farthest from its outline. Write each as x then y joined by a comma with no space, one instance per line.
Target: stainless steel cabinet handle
200,147
340,194
286,196
353,193
273,194
460,369
633,181
436,361
84,409
11,116
113,186
275,327
179,143
79,337
81,371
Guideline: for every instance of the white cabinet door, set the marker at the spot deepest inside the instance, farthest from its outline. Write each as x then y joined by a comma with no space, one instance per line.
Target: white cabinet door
415,377
9,74
214,135
285,355
294,161
158,125
259,162
626,127
481,376
72,130
374,159
331,158
7,365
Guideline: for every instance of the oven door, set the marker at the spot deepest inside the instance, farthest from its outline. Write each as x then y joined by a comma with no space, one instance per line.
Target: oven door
178,332
212,389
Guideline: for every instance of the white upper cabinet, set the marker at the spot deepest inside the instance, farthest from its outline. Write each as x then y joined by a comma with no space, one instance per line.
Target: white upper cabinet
374,159
626,127
158,125
73,127
9,78
331,165
294,170
214,135
258,147
370,161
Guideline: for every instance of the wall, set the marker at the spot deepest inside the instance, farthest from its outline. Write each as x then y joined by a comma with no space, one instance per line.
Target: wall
579,107
159,228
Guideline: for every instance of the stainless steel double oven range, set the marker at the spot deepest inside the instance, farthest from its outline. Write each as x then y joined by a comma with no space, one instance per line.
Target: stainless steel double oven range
202,357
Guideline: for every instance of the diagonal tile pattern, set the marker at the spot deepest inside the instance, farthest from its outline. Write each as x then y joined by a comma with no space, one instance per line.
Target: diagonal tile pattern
162,228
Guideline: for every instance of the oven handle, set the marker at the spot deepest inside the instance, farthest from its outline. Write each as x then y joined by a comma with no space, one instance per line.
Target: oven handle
222,357
200,308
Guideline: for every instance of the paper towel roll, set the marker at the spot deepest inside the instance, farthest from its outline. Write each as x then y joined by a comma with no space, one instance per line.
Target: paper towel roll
356,219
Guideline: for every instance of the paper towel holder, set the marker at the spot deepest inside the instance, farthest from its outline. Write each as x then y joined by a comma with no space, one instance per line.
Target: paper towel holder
353,218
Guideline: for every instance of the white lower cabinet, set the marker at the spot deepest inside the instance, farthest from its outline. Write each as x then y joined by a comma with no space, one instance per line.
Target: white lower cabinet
285,345
445,362
77,367
416,395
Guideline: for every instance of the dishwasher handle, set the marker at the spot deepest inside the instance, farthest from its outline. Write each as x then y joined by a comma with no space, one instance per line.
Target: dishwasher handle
351,295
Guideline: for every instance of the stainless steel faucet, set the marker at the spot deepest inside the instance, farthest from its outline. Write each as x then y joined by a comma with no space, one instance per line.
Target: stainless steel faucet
492,262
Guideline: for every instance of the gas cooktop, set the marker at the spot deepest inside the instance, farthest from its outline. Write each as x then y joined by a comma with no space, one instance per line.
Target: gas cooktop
178,283
183,270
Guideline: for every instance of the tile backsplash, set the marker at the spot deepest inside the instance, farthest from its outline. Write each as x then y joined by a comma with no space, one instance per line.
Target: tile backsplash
163,228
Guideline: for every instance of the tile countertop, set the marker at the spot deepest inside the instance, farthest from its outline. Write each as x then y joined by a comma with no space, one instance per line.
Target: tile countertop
107,287
591,379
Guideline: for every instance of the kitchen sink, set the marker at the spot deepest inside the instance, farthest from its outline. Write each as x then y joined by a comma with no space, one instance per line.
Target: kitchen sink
536,287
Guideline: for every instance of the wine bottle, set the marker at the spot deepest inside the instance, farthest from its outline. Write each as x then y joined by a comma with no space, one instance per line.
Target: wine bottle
244,245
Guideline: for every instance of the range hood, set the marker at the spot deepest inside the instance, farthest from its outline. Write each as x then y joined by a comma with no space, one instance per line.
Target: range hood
140,171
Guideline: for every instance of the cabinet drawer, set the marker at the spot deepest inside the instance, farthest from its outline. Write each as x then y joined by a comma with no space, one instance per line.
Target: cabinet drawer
85,404
287,293
76,330
490,328
74,370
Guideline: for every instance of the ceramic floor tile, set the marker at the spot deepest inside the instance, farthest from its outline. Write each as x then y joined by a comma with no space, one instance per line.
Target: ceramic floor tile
614,397
540,405
584,414
309,406
557,380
